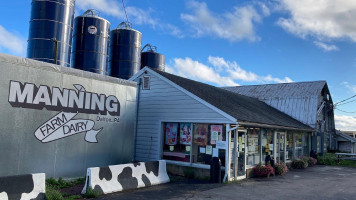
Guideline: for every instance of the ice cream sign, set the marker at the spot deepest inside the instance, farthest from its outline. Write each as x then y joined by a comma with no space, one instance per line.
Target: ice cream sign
69,102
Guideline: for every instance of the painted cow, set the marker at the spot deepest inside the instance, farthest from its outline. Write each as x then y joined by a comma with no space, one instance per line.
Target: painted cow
117,178
23,187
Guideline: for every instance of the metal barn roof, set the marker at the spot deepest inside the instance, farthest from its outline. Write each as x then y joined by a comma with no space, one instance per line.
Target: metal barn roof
299,100
282,90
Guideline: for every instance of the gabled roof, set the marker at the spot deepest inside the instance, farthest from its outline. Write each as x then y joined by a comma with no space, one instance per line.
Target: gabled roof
281,90
243,108
346,136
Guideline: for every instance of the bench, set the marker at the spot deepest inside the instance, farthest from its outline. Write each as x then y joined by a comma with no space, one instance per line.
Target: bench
345,156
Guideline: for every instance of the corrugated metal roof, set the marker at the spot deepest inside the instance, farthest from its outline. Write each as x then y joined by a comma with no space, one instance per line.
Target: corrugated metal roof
298,99
241,107
282,90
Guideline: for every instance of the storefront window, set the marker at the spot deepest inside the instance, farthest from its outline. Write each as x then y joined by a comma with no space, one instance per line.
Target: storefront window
266,143
206,137
253,154
195,143
177,141
289,144
298,145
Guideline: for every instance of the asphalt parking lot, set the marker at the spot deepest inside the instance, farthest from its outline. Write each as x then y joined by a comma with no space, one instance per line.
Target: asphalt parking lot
317,183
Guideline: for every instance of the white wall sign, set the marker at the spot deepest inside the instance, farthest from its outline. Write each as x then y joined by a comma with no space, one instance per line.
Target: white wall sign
69,103
221,144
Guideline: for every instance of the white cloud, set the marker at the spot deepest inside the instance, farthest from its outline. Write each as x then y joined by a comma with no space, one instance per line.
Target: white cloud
136,15
237,73
114,8
218,72
12,43
345,123
324,19
235,25
186,67
326,47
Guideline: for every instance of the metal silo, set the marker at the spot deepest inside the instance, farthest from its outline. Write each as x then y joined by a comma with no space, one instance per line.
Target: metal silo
124,51
151,58
50,32
90,43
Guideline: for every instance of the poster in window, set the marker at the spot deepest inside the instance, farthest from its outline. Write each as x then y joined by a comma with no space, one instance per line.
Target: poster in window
171,133
216,133
185,133
201,134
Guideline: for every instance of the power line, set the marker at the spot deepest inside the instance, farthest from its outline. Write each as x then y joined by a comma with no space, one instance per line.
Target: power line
345,100
123,5
345,111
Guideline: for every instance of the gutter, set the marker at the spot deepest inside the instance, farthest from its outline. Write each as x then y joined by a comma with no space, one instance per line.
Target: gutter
257,125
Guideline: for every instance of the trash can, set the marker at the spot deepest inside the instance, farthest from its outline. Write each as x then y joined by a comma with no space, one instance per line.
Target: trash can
215,170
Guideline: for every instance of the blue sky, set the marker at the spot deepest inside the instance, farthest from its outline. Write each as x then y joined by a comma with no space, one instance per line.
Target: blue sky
232,42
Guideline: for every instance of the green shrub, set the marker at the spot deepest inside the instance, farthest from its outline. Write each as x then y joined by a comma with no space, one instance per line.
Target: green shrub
90,193
53,194
280,168
327,159
331,159
299,164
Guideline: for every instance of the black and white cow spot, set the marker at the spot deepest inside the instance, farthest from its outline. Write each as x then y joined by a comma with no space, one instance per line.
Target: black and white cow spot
146,181
16,186
126,179
105,172
152,167
136,164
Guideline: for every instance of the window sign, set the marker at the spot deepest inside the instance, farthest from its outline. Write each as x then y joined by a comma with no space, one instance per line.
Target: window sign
221,144
202,149
215,152
171,133
209,149
216,133
185,133
201,134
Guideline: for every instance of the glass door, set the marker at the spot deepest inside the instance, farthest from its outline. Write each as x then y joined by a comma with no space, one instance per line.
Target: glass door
241,153
281,147
237,144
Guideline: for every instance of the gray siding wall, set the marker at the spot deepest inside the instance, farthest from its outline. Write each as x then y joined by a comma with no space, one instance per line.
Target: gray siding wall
165,103
69,157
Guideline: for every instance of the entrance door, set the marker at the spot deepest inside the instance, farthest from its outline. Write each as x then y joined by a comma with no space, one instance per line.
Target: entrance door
238,142
241,171
281,147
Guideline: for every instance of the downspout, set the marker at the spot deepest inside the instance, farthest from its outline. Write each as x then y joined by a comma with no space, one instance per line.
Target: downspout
137,107
227,150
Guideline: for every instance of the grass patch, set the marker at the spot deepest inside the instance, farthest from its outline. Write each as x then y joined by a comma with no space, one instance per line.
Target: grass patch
53,194
54,186
60,183
90,193
331,159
